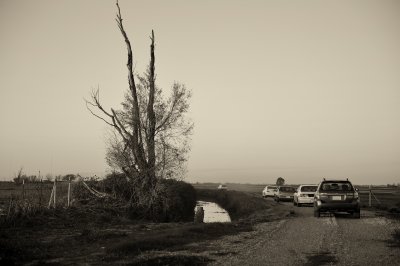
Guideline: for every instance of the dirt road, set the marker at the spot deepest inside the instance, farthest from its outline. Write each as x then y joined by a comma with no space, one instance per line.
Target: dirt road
305,240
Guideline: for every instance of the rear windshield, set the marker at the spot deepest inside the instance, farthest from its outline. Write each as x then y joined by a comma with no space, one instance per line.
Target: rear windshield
336,186
309,188
287,189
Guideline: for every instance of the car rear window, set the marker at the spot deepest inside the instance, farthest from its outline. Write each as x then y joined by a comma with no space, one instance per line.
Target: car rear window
271,187
287,189
309,188
336,186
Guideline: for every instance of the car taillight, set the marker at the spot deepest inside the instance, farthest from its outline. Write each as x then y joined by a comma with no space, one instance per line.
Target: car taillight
352,195
321,196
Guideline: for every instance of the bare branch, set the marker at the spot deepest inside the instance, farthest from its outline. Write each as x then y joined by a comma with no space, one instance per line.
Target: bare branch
99,117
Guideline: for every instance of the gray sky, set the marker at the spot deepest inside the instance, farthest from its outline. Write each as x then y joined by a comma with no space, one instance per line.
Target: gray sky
298,89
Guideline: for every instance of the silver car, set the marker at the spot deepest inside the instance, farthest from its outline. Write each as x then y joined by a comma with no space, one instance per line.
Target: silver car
304,195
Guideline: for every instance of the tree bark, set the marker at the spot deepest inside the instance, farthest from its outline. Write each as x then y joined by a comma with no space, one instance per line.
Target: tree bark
138,151
151,114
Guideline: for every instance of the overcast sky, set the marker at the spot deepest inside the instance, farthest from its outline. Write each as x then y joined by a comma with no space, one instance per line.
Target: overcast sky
298,89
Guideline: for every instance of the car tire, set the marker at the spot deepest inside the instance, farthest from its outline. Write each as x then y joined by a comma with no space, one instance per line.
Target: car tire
317,213
356,214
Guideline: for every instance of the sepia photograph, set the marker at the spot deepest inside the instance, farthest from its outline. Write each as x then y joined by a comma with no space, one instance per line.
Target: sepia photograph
214,132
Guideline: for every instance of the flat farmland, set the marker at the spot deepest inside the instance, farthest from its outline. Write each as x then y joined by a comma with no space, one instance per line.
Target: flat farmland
252,188
35,193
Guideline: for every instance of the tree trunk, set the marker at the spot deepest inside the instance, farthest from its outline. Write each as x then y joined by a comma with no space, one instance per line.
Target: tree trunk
151,114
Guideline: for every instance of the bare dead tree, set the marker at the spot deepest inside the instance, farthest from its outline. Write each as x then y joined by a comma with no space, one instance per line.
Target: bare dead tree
150,134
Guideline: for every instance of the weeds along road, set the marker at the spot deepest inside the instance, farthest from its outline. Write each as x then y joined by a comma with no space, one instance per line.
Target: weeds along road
306,240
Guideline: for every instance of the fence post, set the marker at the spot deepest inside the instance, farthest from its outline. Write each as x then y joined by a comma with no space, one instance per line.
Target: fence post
41,193
9,207
370,197
23,189
69,191
51,197
55,191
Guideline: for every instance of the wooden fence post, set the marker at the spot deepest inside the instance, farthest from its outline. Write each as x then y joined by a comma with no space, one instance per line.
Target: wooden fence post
23,189
55,191
69,191
41,193
51,197
370,196
9,207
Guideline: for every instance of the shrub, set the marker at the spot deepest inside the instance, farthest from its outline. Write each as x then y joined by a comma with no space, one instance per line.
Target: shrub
169,201
180,200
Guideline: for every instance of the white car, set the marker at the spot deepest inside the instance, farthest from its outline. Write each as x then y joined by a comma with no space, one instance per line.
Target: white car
222,187
269,191
304,195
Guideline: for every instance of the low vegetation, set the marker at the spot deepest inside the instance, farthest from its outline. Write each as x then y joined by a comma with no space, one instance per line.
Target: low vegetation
99,230
172,200
105,230
238,204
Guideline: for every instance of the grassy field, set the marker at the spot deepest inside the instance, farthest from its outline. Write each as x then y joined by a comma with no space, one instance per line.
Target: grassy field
36,194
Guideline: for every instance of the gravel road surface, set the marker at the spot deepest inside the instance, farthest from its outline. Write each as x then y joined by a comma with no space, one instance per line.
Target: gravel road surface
305,240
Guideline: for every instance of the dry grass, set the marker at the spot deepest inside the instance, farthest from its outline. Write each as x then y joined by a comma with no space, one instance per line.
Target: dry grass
238,204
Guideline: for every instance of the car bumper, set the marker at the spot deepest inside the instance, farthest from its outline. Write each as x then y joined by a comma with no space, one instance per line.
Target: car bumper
305,200
283,198
337,206
268,195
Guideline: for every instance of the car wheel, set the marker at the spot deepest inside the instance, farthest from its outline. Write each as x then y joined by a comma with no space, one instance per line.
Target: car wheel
356,214
317,213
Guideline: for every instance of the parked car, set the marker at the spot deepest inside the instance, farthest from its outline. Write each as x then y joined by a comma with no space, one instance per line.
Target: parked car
304,195
284,193
222,187
269,191
336,196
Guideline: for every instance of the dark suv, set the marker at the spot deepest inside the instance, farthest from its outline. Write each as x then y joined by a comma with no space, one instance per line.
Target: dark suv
336,196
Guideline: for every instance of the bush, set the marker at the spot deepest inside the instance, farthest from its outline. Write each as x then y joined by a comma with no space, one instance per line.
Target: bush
180,200
169,201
